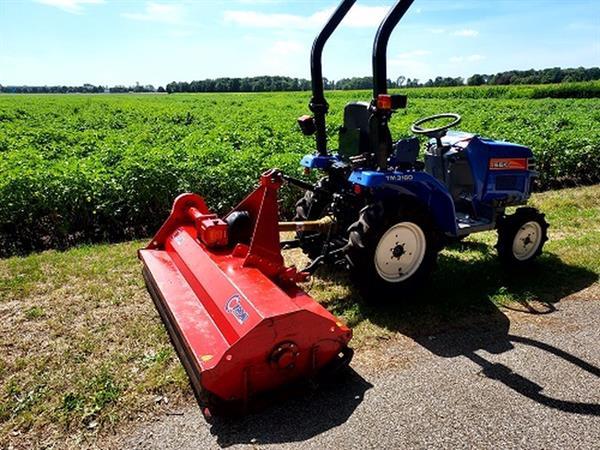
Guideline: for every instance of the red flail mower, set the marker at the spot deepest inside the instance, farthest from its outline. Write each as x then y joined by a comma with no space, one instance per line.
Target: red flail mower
239,322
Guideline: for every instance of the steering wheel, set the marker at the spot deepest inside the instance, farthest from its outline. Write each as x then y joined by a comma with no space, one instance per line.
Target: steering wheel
438,132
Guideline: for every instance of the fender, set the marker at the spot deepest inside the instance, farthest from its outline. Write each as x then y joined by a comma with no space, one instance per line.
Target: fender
430,191
319,161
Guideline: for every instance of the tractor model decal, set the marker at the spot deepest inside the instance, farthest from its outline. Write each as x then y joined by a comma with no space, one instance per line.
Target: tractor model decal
508,164
399,177
234,306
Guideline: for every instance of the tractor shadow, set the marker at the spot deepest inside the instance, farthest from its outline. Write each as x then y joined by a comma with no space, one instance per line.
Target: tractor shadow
305,415
457,314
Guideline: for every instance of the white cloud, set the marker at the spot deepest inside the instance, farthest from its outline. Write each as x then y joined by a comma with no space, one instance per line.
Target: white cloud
583,26
262,20
360,16
467,32
469,58
70,6
284,48
282,57
365,16
411,64
159,12
259,2
413,54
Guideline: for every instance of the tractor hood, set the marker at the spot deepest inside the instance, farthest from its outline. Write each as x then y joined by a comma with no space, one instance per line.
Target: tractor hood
498,149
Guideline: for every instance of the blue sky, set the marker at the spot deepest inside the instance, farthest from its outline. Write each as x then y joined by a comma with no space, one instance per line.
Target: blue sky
154,42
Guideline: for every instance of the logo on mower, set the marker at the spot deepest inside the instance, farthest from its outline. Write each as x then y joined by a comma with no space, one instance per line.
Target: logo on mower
234,306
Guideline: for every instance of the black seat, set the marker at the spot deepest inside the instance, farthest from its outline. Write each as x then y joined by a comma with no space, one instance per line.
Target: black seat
406,150
354,134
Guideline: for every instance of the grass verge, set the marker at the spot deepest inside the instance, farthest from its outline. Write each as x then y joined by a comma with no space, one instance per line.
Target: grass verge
83,350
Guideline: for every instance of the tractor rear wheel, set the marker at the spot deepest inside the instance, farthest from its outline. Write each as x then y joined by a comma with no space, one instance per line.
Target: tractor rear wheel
312,205
392,248
521,236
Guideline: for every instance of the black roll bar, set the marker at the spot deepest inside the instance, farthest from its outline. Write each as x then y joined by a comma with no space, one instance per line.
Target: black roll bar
318,105
380,45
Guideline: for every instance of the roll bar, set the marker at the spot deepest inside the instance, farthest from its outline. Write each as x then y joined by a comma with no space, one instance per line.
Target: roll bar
380,45
318,105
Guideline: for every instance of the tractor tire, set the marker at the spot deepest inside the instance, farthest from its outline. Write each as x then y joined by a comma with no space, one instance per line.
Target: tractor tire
521,236
311,206
392,248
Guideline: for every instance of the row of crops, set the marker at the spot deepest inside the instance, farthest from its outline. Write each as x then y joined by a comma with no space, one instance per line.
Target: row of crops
563,90
87,168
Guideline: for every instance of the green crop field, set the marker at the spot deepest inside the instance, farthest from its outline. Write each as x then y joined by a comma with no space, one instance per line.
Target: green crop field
80,168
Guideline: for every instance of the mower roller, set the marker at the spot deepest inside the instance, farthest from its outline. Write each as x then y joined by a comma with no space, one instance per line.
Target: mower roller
241,325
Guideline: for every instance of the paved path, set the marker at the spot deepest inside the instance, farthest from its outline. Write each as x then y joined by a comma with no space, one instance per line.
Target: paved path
509,380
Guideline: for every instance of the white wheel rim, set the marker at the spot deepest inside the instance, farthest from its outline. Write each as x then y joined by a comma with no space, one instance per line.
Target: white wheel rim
400,252
527,240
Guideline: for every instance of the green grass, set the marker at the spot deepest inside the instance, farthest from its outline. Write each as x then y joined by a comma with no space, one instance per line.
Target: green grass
81,347
82,350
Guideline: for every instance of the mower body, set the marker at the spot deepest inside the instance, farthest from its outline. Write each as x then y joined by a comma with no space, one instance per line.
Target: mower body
239,322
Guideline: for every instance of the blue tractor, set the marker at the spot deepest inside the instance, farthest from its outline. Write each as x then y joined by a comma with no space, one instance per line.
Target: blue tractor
389,212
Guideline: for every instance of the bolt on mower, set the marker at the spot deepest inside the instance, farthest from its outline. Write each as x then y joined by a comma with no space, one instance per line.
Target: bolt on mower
240,323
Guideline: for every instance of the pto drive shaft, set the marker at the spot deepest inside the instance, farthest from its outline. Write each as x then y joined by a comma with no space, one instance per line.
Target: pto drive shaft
322,224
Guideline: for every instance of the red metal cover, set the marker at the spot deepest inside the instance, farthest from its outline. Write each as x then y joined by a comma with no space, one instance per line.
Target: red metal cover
240,324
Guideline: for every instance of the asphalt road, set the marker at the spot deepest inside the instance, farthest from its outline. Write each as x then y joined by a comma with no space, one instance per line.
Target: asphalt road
508,380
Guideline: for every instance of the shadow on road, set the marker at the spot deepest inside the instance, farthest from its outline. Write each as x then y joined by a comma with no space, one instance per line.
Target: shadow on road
458,315
297,419
532,390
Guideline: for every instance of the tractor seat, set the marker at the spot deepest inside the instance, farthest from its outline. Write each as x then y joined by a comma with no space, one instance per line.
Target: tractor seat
354,134
405,153
406,150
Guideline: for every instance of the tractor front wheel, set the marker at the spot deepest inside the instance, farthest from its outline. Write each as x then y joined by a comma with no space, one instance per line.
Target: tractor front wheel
521,236
392,248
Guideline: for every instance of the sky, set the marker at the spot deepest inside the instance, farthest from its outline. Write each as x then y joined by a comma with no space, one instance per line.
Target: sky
109,42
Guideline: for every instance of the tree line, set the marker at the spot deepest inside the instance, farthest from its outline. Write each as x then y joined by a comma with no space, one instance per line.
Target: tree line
85,89
248,84
545,76
280,83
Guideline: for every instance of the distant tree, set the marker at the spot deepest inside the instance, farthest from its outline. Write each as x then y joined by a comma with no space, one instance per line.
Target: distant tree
119,89
354,83
476,80
160,89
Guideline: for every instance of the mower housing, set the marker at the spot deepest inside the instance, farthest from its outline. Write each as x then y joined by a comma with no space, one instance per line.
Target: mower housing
239,322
